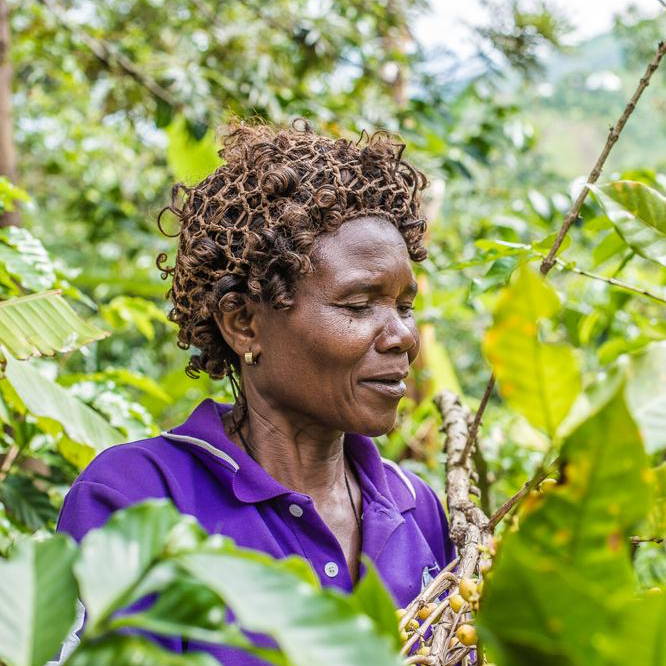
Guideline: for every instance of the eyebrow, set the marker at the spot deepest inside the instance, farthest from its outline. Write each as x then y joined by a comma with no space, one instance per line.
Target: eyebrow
371,287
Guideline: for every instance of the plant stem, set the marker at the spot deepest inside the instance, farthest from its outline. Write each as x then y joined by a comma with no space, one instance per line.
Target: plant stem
549,261
612,281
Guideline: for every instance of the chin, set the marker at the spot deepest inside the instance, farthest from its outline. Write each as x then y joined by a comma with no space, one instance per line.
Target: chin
374,425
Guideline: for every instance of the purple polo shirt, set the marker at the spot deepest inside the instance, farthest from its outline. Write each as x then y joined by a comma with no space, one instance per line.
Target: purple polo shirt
207,476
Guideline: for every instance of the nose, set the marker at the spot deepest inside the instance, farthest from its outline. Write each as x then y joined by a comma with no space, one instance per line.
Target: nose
398,336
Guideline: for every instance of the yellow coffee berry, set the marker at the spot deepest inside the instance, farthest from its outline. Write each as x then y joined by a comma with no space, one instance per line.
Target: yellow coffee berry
424,612
412,625
400,613
404,636
485,566
468,589
424,651
456,602
547,485
466,634
654,591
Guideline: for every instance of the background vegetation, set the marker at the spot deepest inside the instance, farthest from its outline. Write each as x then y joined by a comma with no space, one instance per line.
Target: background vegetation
112,103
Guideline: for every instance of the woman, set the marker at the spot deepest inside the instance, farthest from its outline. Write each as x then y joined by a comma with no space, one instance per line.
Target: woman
293,278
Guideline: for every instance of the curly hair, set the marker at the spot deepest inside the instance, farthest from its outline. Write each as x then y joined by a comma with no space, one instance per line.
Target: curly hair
248,229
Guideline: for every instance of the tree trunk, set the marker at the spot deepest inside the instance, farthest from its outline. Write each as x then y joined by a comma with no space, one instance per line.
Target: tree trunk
7,152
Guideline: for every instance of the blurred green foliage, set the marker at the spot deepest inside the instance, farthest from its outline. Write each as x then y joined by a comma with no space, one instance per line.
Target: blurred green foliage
115,102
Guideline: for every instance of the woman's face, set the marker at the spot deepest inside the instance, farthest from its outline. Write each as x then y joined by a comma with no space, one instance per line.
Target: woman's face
338,357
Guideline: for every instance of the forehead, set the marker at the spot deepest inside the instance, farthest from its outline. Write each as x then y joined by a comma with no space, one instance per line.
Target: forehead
363,244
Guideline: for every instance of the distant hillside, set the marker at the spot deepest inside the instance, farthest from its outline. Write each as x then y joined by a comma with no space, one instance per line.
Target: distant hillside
582,93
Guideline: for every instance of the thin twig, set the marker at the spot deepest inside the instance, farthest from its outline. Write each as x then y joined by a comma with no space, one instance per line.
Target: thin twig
8,461
610,280
474,428
549,260
613,135
639,539
540,475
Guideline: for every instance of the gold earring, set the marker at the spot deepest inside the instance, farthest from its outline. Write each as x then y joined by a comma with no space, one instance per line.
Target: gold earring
249,358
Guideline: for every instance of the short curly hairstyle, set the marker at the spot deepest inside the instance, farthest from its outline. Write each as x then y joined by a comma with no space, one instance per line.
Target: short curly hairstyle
248,229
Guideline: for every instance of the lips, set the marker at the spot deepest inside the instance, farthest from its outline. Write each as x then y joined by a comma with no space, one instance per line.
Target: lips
391,384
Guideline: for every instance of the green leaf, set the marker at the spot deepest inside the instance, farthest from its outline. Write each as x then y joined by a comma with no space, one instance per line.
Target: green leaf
42,324
538,379
639,215
376,602
657,517
190,160
127,311
26,503
44,398
646,394
25,259
562,581
37,600
115,557
134,651
189,609
313,626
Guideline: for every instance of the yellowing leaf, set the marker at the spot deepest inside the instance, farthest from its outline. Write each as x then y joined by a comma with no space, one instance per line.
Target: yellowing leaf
538,379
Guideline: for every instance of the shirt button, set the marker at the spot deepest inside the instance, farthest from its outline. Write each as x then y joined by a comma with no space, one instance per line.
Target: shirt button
295,510
331,569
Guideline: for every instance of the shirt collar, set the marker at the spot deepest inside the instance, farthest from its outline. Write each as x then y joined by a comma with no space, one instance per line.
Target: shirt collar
251,483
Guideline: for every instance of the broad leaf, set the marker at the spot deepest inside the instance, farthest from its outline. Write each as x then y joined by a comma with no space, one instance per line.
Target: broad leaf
646,394
126,311
190,160
25,259
44,398
564,579
37,600
134,651
42,324
538,379
639,215
115,557
376,602
26,503
313,626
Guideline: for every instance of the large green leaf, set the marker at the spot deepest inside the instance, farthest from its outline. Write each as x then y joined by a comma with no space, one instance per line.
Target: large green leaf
25,259
561,582
116,557
134,651
639,215
37,600
538,379
42,324
46,399
313,626
646,394
190,160
26,503
376,602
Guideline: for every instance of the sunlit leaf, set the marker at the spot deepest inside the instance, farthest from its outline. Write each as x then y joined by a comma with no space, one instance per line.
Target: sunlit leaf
37,600
190,160
26,503
313,626
25,259
44,398
114,558
646,394
540,380
564,578
42,324
639,215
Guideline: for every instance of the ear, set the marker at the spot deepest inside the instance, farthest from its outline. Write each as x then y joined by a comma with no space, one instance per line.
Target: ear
238,327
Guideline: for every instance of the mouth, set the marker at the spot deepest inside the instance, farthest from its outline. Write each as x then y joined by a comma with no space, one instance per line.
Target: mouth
391,386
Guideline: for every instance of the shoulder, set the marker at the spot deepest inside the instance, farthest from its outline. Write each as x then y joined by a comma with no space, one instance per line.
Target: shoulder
118,477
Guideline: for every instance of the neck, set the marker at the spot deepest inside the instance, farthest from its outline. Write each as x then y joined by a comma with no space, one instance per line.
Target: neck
298,453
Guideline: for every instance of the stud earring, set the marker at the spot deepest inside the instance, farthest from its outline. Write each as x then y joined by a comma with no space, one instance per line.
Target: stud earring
249,358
